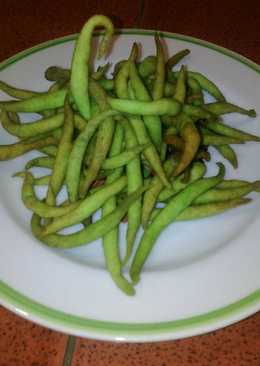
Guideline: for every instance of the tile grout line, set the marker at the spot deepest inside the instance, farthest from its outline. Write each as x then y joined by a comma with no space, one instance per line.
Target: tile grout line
69,351
139,17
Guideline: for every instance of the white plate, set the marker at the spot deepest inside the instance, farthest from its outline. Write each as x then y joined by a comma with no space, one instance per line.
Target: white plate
201,276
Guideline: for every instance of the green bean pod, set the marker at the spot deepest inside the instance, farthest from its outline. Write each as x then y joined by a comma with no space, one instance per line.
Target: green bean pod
42,181
57,74
103,140
150,153
80,122
168,215
228,131
228,153
62,157
176,141
169,89
152,194
100,72
34,204
124,91
110,240
176,58
15,118
218,140
78,150
191,138
147,66
40,162
158,85
134,181
220,195
198,170
107,84
207,85
152,122
33,128
202,154
18,93
196,212
12,151
122,77
80,60
49,150
156,107
37,103
197,112
90,151
87,207
219,108
124,158
180,91
235,183
196,97
89,233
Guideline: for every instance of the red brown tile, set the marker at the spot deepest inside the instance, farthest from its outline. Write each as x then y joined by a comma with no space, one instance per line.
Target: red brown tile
230,24
24,25
236,345
23,343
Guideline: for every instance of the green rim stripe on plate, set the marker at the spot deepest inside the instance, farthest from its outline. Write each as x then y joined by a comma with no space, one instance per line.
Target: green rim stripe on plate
24,304
19,56
60,318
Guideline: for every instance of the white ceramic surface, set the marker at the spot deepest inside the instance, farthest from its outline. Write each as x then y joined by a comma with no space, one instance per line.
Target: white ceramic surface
201,275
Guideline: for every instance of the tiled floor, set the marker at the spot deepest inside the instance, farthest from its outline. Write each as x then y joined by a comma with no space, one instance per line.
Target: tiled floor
237,345
23,343
229,23
23,24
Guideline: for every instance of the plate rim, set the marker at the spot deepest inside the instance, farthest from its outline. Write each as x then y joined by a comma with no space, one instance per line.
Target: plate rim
132,31
119,331
130,332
